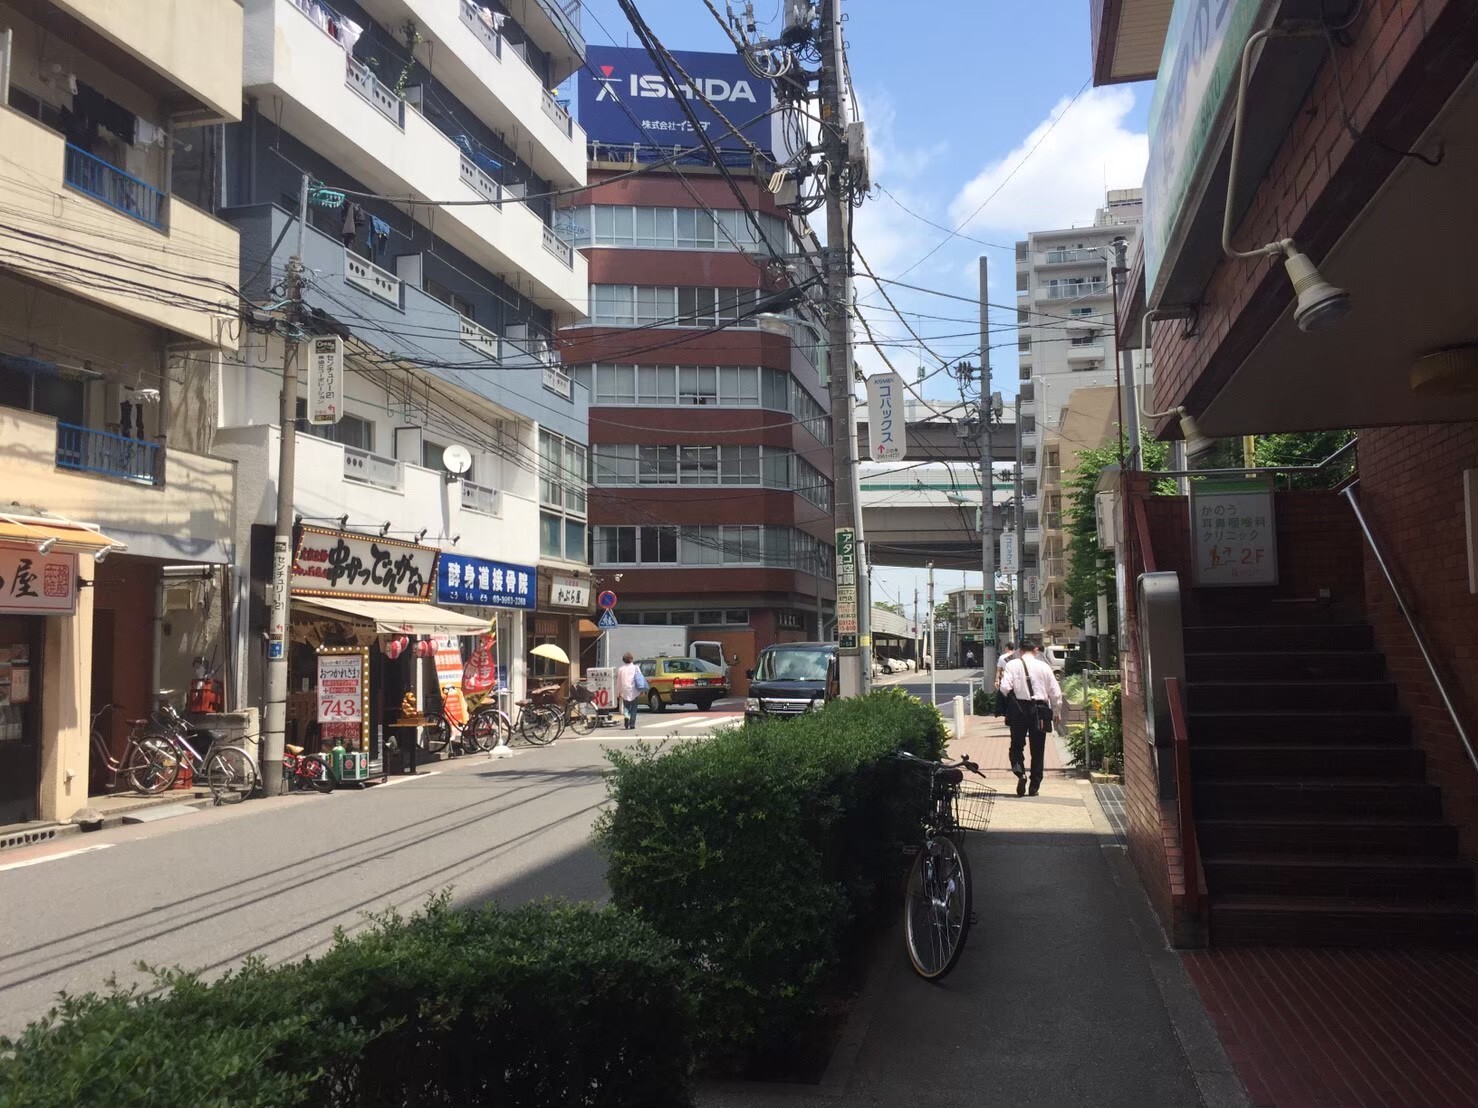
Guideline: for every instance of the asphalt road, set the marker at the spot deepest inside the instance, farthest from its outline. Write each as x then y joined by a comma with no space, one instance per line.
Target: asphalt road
949,683
275,877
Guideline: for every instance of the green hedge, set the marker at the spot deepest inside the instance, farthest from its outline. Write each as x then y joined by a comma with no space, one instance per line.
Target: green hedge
534,1006
761,850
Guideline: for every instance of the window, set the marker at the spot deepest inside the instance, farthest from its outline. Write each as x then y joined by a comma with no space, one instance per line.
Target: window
730,544
1089,338
740,465
698,465
350,430
458,304
62,398
563,473
697,385
1078,310
616,384
657,465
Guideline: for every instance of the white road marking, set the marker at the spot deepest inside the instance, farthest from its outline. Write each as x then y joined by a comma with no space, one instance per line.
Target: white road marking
54,857
401,779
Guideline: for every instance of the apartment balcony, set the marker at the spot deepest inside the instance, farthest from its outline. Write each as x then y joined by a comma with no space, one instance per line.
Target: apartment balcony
336,105
1070,257
163,502
1075,291
334,480
154,257
1054,569
1051,477
489,76
188,54
388,310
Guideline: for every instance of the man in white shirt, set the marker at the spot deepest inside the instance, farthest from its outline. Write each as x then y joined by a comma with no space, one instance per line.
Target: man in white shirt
1036,694
1009,653
628,688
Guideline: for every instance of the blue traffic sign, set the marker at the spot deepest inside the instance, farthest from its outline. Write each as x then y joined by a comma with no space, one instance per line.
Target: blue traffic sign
607,620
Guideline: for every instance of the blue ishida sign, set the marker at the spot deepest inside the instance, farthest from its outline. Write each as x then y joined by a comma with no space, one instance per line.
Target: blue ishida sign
477,581
618,76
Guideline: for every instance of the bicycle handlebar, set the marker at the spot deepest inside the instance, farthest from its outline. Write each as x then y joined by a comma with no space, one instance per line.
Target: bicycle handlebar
963,763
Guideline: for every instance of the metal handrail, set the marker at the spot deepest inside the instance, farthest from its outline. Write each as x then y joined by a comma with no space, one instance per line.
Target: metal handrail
1239,471
1190,847
1421,642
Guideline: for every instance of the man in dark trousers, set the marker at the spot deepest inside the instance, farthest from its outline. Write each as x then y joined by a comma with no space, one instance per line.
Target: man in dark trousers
1033,694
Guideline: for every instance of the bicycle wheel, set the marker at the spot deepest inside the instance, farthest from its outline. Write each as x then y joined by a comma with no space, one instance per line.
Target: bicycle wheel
231,774
539,726
316,772
936,911
580,721
481,732
153,764
438,733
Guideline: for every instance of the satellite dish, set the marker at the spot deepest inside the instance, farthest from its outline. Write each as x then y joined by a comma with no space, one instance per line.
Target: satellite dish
457,459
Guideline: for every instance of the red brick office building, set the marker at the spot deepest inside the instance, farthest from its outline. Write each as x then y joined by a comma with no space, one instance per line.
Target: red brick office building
1328,794
710,434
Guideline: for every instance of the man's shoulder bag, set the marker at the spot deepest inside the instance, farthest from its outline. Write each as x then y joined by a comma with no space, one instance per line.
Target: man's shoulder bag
1042,708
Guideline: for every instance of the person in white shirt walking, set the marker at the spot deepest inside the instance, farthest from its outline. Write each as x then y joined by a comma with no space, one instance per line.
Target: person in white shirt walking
1034,694
1009,654
629,684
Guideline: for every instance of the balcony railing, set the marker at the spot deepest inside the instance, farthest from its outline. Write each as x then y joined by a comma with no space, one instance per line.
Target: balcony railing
1076,289
110,185
556,111
371,469
479,498
90,450
364,274
358,76
485,34
1059,257
480,183
558,381
558,247
478,337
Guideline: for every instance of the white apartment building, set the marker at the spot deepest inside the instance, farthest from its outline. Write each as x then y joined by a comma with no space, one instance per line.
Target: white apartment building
1065,342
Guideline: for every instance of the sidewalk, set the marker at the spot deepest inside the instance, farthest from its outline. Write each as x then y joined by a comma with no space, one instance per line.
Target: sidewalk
1067,993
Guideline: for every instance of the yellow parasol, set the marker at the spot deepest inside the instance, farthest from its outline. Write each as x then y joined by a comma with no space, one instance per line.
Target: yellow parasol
552,652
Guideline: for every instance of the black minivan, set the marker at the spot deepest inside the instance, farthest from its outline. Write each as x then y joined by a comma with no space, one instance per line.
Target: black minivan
791,678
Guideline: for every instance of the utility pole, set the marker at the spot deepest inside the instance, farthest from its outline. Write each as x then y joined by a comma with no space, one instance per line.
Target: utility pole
1130,395
916,644
1020,536
274,730
933,632
987,487
853,666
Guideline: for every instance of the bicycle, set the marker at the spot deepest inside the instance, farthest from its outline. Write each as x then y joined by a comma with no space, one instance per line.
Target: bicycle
149,762
480,732
938,905
579,713
539,721
230,771
311,769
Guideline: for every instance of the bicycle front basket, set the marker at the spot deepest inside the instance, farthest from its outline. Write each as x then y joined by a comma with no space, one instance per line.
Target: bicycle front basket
972,803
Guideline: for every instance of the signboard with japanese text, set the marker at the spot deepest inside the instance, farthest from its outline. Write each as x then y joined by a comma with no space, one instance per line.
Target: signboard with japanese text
887,431
325,379
601,681
626,101
37,584
1033,588
846,578
1234,532
1008,552
569,592
338,563
477,582
343,705
340,688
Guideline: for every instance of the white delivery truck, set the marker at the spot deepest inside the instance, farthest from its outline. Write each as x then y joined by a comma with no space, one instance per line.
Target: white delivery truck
655,641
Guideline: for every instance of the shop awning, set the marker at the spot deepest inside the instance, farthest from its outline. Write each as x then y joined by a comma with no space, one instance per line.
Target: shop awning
397,618
64,536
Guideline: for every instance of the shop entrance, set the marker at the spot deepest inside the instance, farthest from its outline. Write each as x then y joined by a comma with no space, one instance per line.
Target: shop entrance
20,740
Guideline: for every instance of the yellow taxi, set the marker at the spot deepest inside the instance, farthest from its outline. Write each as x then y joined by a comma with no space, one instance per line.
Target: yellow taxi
683,681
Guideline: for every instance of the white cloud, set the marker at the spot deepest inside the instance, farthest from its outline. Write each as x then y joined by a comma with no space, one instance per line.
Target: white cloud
1062,183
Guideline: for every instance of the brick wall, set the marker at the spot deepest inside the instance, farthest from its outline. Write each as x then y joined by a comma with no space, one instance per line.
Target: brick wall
1406,59
1411,488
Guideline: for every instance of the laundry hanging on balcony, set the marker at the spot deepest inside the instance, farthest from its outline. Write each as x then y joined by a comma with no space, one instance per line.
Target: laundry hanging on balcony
94,108
379,234
483,161
355,218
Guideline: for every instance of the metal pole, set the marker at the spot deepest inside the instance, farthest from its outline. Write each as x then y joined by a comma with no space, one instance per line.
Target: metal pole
853,668
987,489
1118,272
933,631
274,731
1020,536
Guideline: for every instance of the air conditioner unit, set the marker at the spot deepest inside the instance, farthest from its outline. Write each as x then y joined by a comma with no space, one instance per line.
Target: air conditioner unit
1106,519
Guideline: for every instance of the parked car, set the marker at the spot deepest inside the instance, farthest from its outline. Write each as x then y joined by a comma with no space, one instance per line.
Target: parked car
683,681
1057,654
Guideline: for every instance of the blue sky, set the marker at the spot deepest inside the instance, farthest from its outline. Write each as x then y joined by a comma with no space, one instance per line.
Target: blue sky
954,95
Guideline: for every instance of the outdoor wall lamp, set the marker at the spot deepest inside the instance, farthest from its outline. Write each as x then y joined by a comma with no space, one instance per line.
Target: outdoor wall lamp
1319,303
